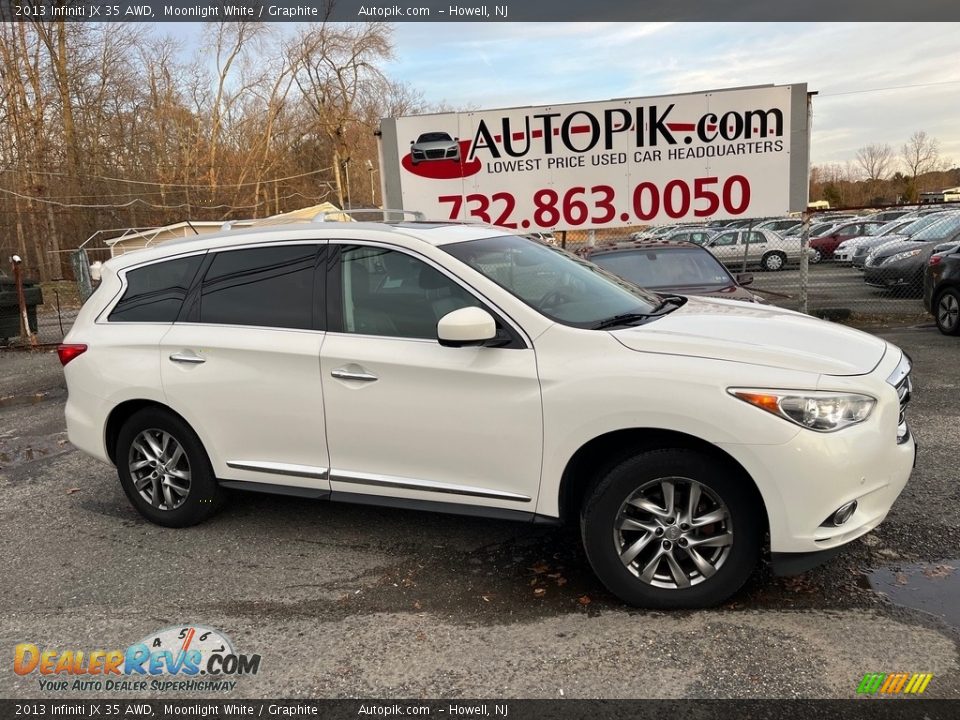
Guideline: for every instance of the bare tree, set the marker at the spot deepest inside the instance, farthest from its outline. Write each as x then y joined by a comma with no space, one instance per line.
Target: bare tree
920,154
875,161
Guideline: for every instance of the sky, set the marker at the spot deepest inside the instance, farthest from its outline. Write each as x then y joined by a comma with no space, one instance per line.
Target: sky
850,65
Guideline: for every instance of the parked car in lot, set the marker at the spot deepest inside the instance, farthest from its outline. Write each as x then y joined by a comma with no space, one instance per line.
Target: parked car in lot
668,266
901,263
846,249
784,226
452,367
888,215
695,235
867,245
941,287
755,247
824,245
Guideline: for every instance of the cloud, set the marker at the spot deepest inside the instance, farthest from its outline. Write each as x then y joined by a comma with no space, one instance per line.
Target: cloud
497,65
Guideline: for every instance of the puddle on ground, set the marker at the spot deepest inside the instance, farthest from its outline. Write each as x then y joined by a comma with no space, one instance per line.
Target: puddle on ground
21,450
931,587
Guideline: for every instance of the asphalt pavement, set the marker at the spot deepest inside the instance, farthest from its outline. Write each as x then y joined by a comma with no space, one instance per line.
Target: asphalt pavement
351,601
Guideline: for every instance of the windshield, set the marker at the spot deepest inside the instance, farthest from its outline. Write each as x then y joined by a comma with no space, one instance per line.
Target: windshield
942,226
434,137
557,284
890,227
819,229
666,267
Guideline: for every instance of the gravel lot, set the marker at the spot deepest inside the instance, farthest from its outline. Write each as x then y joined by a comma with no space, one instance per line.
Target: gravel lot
347,601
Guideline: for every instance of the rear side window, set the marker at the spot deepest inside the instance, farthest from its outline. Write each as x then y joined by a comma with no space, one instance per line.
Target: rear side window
266,287
155,293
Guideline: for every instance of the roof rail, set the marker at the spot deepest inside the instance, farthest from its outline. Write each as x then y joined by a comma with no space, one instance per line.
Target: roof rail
322,217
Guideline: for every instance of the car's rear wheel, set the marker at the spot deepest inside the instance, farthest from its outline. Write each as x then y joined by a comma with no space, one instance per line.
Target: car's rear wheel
816,256
672,529
164,470
774,261
947,311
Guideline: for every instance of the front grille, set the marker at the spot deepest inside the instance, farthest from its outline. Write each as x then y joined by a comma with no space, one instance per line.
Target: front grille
900,379
435,154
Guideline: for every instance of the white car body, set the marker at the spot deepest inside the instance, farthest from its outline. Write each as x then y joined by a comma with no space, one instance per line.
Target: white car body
488,430
845,250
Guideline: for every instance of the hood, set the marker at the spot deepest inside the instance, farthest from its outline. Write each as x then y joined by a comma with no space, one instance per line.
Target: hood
873,242
436,145
758,335
894,246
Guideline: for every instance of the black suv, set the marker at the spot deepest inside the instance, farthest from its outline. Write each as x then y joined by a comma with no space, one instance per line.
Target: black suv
941,287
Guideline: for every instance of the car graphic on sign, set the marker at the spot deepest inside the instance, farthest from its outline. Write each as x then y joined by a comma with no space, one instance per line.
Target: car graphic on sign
434,146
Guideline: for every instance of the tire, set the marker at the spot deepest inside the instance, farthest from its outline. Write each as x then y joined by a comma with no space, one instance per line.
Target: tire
774,261
607,532
946,311
816,257
186,495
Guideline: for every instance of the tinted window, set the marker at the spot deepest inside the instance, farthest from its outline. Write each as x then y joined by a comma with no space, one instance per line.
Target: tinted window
155,293
268,287
385,292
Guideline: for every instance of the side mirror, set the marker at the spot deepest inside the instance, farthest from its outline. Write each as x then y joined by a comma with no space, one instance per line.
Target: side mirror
744,278
411,142
457,139
469,326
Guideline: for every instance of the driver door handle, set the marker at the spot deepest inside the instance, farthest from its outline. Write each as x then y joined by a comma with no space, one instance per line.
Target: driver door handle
353,372
187,357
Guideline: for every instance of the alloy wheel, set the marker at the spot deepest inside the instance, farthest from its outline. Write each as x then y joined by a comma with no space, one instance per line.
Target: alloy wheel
673,533
159,469
948,312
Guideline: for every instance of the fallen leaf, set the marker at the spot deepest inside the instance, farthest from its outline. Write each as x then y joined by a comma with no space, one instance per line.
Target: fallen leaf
901,578
540,568
938,571
584,600
486,598
416,605
540,592
561,581
71,491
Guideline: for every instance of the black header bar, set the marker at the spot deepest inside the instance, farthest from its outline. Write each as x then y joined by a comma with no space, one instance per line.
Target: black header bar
478,10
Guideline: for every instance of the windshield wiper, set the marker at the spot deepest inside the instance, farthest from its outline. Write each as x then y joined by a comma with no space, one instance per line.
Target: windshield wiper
622,319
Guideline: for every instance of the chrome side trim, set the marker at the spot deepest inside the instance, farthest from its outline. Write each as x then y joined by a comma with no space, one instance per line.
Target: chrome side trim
346,476
309,471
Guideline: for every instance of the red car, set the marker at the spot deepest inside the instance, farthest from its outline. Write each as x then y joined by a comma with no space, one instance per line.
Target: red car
824,246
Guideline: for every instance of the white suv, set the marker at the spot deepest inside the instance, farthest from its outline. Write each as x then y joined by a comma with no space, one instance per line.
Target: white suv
454,368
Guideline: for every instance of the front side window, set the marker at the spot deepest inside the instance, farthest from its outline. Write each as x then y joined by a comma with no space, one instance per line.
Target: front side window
555,283
155,292
755,238
725,239
387,292
265,287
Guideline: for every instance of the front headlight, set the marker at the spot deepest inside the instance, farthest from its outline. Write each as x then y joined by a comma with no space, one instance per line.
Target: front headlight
820,411
902,256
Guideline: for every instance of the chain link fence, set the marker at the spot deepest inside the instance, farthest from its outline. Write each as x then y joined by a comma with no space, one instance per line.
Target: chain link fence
860,265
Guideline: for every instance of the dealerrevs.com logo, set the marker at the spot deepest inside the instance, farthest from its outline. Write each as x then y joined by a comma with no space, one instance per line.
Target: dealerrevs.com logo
191,658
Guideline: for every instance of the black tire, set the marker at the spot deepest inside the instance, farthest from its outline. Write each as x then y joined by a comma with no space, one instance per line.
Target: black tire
205,496
947,322
816,257
774,261
608,495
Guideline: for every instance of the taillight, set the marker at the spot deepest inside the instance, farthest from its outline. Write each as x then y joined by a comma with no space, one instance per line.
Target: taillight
935,259
68,352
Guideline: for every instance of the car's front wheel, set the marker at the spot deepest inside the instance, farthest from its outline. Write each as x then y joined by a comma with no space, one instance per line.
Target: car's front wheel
164,470
816,256
947,311
672,529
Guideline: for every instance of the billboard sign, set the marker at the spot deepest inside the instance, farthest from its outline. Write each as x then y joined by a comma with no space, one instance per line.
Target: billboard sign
711,155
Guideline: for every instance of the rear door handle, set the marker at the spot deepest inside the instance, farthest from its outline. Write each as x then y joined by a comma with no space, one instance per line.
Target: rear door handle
353,372
187,357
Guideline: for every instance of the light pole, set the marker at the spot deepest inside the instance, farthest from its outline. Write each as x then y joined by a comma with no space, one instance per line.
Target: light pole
371,170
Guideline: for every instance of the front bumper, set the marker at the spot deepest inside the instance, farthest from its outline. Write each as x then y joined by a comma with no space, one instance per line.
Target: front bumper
805,480
892,275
